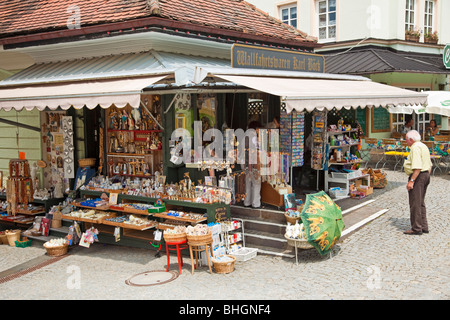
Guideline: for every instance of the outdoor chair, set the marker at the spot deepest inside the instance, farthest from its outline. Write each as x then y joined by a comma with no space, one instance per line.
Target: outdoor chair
390,148
371,144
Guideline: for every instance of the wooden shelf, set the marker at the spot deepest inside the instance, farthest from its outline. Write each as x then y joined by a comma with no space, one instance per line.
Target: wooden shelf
138,131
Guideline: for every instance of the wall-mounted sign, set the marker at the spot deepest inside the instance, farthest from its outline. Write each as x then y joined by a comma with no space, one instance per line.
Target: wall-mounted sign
243,56
446,56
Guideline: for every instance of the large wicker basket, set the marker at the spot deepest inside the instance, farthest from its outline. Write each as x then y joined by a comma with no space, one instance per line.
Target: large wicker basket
57,251
13,236
299,243
224,266
199,240
86,162
174,237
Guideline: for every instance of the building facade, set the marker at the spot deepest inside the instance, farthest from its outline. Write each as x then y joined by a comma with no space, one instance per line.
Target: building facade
396,42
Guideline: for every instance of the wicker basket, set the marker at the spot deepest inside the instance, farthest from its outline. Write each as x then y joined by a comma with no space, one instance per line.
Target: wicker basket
199,240
299,243
86,162
174,237
3,238
13,236
291,220
224,266
57,251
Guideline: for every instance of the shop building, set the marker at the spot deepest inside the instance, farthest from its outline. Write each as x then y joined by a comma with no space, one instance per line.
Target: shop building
166,64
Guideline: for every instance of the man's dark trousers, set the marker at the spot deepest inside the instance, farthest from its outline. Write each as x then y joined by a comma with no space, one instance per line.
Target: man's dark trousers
418,211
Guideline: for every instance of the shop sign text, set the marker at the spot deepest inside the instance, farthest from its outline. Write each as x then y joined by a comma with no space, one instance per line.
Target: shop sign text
243,56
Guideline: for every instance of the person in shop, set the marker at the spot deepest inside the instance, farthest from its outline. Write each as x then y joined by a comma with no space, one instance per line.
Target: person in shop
432,130
252,171
275,124
408,126
418,168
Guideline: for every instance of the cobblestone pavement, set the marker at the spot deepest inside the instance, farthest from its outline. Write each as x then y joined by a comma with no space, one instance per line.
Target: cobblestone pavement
376,262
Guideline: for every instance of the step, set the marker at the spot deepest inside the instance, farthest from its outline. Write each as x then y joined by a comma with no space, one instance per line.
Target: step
264,239
263,214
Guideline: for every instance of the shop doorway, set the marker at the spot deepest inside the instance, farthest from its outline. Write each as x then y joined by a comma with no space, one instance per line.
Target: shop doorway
92,122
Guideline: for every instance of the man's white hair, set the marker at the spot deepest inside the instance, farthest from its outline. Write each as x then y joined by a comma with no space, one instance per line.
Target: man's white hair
414,135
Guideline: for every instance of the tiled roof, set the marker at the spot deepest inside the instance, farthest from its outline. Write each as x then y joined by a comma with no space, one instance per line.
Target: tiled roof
379,60
33,16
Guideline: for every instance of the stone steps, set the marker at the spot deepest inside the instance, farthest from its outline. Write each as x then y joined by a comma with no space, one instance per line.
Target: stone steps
265,228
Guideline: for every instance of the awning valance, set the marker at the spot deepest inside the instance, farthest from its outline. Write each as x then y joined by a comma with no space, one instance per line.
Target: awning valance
308,91
105,93
310,94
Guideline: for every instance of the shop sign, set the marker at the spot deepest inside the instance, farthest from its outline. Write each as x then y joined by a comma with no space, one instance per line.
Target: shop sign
446,56
244,56
220,214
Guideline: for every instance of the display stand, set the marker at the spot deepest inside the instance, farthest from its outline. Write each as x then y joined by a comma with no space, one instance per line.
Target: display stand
133,141
212,209
338,156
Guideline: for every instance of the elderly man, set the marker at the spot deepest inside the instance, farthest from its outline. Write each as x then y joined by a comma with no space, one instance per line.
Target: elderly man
417,167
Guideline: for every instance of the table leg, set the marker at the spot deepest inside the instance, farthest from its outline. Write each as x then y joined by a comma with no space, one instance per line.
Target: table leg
168,258
207,257
192,259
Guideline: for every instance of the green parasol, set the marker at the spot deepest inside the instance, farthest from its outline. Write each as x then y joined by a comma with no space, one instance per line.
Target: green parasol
322,219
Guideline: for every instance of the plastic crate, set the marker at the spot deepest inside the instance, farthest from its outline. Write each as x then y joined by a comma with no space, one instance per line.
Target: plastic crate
338,192
23,244
340,175
244,254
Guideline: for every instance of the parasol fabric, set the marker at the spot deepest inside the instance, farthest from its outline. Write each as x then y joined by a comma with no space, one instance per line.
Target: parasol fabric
322,219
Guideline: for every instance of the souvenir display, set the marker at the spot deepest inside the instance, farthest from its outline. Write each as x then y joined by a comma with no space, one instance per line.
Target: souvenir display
133,139
319,125
68,148
19,186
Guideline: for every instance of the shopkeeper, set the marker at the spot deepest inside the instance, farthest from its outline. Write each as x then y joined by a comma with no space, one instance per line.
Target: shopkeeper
252,171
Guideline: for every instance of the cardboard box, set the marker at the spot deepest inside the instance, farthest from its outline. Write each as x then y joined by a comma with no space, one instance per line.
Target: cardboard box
365,189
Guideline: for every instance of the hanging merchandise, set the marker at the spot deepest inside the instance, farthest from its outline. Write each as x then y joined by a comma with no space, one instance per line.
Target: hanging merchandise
68,148
298,133
319,125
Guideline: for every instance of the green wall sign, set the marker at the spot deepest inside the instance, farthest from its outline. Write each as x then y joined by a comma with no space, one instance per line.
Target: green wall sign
446,56
244,56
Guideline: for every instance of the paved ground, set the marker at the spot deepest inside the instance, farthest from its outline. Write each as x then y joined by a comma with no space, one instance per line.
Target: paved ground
376,262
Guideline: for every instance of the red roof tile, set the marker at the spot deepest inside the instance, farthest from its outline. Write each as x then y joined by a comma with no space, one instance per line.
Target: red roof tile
33,16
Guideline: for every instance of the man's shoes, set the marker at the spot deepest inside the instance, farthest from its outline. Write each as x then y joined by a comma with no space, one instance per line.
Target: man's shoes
413,232
425,231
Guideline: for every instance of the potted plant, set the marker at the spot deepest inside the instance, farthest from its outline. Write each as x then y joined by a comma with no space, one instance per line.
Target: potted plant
412,35
431,37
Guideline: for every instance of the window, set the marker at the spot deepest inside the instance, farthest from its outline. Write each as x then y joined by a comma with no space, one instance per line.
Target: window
409,15
428,21
327,19
288,15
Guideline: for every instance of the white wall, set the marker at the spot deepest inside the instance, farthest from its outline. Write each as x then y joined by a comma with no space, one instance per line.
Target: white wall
357,19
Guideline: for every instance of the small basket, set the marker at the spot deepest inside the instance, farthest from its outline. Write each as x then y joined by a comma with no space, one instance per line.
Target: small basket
13,236
224,266
291,220
3,238
199,240
57,251
299,243
86,162
174,237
